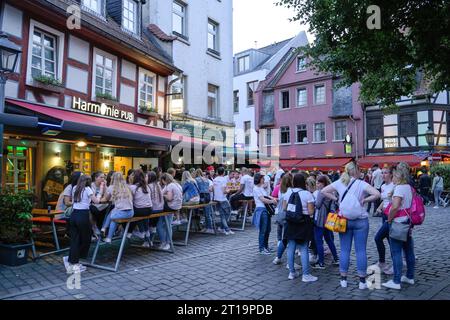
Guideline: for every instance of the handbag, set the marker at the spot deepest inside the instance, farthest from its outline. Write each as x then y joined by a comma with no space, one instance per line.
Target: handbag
270,207
399,230
68,212
336,223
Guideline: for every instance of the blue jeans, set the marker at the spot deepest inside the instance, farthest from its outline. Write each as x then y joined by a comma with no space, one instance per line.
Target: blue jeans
116,214
359,230
281,243
291,246
437,196
225,213
209,218
161,228
319,235
383,233
264,228
397,259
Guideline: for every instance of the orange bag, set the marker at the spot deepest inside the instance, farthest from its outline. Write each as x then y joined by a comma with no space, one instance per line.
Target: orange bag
336,223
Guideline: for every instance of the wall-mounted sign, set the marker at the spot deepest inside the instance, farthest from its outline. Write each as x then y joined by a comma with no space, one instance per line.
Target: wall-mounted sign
348,148
101,109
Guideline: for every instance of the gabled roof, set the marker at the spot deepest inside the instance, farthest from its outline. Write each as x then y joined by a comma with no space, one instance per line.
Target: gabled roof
274,48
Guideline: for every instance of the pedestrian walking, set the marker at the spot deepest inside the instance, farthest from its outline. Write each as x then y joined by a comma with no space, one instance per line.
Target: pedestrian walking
437,188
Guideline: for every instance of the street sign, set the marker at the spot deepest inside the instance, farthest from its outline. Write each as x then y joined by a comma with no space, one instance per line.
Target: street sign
348,148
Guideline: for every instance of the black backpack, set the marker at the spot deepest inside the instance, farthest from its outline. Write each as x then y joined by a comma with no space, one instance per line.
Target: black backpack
295,215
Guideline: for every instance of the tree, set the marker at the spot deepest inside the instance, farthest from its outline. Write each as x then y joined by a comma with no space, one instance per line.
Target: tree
411,46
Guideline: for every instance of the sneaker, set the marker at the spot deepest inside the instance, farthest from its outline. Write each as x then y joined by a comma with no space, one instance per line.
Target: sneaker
344,283
294,275
103,233
211,231
309,278
435,207
392,285
234,212
129,235
388,270
146,245
76,268
184,220
148,234
108,240
405,279
318,265
265,252
66,262
176,222
335,262
138,234
296,266
229,232
165,247
276,261
362,285
152,230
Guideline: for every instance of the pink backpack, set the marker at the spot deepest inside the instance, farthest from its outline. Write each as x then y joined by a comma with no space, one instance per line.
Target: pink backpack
417,210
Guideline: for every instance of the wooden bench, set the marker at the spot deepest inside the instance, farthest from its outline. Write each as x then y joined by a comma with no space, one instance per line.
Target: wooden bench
46,216
124,238
244,220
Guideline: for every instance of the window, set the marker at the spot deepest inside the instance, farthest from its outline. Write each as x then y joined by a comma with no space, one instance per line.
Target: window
285,135
319,94
178,96
93,5
212,101
243,63
408,124
251,87
301,64
285,100
374,128
104,74
236,101
44,53
146,91
179,18
268,137
18,175
301,97
247,132
302,135
213,33
129,21
340,130
319,132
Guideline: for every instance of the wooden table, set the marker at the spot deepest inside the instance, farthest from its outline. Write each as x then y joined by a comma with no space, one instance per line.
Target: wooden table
244,220
50,214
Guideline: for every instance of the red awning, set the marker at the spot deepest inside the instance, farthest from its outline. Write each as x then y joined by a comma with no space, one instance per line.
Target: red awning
80,122
323,164
289,164
369,161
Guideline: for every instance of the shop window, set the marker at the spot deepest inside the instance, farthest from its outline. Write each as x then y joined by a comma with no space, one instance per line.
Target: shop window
18,169
83,161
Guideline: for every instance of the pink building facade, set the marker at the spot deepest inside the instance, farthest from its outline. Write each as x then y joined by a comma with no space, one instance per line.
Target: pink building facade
302,115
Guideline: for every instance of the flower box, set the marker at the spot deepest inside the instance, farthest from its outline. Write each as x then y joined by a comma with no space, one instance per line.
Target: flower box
47,86
106,101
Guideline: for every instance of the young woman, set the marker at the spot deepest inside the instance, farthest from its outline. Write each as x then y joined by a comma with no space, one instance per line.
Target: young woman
205,197
79,225
311,187
173,194
191,193
261,219
65,198
383,233
156,195
358,224
437,188
294,233
142,206
98,211
130,176
109,178
323,207
401,202
120,195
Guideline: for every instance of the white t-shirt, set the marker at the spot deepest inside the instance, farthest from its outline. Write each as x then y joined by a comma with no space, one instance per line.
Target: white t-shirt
358,189
247,182
386,189
305,196
85,199
257,193
220,183
67,192
404,191
278,176
141,199
211,184
377,178
267,184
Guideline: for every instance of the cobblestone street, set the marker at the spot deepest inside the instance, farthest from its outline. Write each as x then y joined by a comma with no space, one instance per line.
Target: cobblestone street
228,267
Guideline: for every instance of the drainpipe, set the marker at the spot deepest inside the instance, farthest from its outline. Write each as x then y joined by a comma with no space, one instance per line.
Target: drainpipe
356,137
168,93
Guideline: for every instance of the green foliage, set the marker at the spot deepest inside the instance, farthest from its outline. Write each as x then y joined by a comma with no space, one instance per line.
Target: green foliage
15,217
413,38
107,96
143,108
444,170
48,80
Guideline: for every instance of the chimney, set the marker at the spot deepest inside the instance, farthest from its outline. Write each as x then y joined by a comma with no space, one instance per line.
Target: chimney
256,44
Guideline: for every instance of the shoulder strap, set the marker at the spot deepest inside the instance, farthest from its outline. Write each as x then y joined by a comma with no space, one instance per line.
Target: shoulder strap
348,188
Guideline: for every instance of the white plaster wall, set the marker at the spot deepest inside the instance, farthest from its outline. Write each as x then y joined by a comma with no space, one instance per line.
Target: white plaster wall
12,21
12,89
68,102
77,79
30,96
128,70
78,50
127,95
51,100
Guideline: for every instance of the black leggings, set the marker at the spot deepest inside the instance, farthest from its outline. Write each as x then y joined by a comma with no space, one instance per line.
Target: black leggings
80,232
139,212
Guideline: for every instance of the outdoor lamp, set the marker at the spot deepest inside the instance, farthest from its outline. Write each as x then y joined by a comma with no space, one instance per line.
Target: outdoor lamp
9,52
429,136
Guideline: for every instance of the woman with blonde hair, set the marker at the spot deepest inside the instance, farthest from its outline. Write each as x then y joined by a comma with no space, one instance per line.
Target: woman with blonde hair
353,195
191,193
120,195
173,195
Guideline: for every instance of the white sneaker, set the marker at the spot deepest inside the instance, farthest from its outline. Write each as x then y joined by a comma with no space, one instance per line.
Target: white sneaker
363,285
407,280
146,245
66,263
76,268
292,276
276,261
309,278
234,212
138,234
391,285
230,232
435,207
108,240
165,247
344,283
152,230
296,266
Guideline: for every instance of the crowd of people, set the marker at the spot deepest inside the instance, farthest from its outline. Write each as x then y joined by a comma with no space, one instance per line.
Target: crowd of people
93,203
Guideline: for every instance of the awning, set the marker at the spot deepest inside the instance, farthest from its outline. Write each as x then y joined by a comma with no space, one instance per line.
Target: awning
84,123
323,164
369,161
290,164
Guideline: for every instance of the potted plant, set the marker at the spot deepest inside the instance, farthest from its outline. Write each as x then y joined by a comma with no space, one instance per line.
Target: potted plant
48,83
105,98
148,110
15,227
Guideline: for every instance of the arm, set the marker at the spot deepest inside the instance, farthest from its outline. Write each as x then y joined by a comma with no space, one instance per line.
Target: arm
329,192
319,200
94,199
311,208
374,194
396,202
68,201
267,201
434,184
168,195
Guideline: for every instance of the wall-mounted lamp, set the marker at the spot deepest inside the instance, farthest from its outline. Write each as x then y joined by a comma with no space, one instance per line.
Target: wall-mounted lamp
58,154
81,144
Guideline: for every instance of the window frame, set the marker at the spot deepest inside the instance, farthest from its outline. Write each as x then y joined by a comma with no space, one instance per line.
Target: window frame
324,94
324,130
183,15
247,133
145,72
236,101
296,133
246,60
99,11
281,135
60,41
268,134
94,73
334,130
296,64
306,97
281,100
252,99
135,30
42,57
216,49
216,108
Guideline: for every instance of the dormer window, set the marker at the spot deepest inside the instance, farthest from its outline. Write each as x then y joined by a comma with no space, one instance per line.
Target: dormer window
130,16
243,63
95,6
